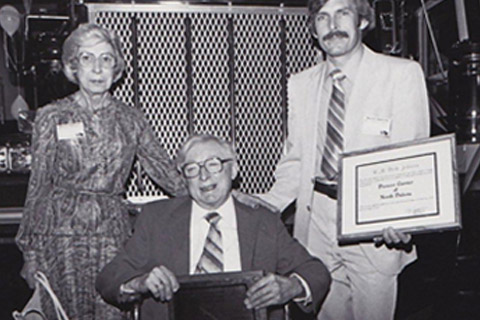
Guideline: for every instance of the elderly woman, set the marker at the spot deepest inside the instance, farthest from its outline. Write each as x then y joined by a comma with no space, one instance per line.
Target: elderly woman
83,146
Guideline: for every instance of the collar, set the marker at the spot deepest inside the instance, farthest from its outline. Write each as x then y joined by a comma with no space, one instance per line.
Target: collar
226,211
350,68
82,101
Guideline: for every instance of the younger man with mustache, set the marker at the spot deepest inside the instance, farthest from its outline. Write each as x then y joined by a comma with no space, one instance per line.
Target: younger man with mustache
353,100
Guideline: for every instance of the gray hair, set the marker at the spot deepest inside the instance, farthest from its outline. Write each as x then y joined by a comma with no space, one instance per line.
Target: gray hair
196,139
77,38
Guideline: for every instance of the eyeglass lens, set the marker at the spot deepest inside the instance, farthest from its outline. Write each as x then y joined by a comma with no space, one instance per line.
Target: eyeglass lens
212,165
87,59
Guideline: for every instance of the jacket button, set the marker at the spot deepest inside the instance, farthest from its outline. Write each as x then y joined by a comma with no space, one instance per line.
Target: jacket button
309,208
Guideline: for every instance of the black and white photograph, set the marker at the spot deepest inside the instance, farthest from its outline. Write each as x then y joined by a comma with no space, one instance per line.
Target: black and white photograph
239,160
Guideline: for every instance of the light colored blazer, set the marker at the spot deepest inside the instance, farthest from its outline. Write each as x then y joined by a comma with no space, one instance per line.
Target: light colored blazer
385,87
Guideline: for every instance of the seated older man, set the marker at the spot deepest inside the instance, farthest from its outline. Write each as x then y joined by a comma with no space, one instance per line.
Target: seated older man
210,232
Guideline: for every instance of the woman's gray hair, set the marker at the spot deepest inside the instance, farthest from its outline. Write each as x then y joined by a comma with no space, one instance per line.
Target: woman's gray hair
193,140
78,37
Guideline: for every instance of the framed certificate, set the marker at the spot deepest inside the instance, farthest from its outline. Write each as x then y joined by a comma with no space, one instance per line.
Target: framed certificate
215,296
411,186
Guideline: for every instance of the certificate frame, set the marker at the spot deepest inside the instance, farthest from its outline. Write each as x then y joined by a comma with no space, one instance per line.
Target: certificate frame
215,296
410,186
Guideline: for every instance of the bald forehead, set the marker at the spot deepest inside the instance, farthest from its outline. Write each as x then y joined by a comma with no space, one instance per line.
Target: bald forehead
208,148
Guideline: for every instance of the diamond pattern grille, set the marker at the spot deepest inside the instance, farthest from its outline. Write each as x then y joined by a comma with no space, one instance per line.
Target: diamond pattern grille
258,104
211,72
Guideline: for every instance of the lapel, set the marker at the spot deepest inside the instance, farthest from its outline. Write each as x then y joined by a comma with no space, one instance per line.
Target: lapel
363,83
179,226
247,226
316,111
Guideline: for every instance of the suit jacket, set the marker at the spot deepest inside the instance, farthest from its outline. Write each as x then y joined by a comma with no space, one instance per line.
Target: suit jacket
162,237
385,87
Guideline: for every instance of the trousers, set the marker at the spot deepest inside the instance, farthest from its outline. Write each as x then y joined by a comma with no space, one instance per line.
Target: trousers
358,291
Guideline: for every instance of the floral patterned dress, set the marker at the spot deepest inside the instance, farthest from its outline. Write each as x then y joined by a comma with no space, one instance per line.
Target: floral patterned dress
75,217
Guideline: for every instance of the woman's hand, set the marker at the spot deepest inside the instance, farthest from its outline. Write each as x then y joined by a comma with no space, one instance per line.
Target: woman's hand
28,273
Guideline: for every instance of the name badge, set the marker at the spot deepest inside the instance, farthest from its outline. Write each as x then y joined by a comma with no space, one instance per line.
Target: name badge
70,131
376,126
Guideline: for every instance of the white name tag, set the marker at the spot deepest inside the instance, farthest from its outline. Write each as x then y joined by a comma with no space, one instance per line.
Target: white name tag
70,131
376,126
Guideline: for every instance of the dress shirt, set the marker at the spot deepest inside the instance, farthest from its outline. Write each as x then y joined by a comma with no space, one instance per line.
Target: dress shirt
350,71
227,225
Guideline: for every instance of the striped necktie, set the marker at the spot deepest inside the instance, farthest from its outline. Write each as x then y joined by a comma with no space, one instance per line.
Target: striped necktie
211,260
334,141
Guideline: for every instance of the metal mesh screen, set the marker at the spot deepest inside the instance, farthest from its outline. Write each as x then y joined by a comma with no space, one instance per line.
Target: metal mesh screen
301,53
258,102
120,23
210,74
162,79
211,71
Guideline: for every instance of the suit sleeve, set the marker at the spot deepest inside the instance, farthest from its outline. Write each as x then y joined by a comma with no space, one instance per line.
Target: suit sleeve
292,257
411,118
285,189
131,262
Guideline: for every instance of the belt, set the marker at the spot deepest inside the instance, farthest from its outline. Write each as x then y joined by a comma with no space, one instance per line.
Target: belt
329,190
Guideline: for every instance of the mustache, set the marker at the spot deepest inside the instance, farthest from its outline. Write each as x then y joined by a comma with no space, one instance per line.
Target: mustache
335,33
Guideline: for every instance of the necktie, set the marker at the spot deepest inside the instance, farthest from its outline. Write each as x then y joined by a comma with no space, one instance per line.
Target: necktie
211,260
335,122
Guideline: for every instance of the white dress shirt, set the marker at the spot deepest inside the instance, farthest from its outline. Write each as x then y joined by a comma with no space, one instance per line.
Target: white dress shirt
350,71
227,226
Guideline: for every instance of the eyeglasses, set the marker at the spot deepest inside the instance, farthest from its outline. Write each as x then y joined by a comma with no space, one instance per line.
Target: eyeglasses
87,59
213,165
